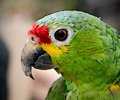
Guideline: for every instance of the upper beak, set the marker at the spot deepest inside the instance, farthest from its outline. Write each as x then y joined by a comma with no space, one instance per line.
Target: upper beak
35,56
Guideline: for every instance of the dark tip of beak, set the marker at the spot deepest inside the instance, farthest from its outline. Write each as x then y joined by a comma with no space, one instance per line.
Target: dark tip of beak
31,76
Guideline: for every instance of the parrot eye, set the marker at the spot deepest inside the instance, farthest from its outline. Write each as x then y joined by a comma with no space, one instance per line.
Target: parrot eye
61,34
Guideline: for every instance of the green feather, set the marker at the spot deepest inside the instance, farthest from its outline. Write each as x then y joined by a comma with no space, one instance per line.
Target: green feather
58,91
92,63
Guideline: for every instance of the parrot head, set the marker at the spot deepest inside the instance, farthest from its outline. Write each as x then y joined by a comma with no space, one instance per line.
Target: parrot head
63,41
45,40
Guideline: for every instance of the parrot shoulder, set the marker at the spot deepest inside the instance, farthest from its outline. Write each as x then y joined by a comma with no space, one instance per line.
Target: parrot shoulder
58,90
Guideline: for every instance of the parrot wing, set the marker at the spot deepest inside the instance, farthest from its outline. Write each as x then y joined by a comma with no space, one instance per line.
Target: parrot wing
58,90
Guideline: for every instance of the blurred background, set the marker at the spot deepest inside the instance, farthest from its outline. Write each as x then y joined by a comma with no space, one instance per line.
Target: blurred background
16,18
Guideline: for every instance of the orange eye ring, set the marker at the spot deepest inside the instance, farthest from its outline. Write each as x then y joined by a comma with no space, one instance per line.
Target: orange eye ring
61,34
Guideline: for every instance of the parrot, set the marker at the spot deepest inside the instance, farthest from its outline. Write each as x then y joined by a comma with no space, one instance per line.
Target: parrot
82,48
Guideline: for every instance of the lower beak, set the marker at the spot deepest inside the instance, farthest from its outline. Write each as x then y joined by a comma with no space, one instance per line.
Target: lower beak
34,56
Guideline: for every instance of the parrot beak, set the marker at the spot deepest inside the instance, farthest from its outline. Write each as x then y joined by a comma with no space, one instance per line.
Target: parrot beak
34,55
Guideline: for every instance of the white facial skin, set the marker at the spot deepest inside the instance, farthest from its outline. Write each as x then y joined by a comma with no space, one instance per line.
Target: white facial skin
33,39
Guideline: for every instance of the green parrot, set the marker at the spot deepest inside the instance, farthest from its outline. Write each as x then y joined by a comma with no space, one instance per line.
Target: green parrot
81,47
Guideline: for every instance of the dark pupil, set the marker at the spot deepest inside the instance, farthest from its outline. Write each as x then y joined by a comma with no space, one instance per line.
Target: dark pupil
61,34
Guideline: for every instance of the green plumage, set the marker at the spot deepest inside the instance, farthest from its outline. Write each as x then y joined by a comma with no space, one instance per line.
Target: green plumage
92,64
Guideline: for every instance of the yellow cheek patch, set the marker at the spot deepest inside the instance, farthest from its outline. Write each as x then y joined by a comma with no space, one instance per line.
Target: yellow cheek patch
52,49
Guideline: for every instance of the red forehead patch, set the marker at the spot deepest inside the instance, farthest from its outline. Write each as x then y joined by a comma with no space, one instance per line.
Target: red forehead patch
41,32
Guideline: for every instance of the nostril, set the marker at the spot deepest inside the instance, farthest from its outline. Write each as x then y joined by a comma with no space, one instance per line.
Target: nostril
32,38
